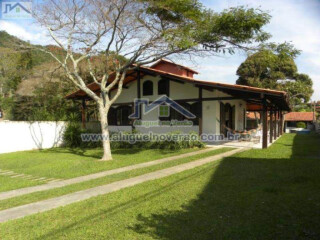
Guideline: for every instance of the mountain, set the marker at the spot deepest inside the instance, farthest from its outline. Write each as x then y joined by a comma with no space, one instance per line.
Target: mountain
12,45
22,69
9,41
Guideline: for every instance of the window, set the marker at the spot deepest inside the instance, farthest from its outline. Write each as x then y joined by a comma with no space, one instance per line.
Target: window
112,117
147,88
291,124
123,114
163,87
164,111
195,110
175,115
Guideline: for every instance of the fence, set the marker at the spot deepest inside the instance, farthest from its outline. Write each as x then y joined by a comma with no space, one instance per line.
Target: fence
21,136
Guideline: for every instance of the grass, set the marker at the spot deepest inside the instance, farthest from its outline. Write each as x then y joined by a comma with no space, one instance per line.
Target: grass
64,163
37,196
257,194
7,183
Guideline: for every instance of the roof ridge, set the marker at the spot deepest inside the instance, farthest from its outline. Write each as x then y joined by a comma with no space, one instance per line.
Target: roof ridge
177,64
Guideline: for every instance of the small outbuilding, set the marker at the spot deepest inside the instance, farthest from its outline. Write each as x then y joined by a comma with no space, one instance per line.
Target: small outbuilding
299,120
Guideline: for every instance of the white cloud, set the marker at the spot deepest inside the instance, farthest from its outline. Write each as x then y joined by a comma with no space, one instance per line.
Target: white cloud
316,86
36,36
218,73
314,60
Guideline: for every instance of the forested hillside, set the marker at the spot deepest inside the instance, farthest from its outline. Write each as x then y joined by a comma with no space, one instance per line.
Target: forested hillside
31,84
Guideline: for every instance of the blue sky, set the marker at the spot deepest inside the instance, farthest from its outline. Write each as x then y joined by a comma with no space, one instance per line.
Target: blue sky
297,21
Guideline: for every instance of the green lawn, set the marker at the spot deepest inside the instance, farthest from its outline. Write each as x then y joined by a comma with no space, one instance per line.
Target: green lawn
257,194
63,163
69,163
37,196
7,183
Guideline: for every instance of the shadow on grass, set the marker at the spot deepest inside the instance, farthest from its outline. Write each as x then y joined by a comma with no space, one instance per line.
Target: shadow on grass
251,198
91,153
98,152
121,207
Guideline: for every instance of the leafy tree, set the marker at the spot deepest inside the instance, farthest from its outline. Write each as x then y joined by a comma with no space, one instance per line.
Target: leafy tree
47,103
300,90
14,67
273,67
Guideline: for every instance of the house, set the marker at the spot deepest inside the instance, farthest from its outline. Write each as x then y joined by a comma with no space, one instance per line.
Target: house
217,107
292,118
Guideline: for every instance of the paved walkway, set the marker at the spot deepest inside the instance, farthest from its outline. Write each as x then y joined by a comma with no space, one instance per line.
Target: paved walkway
63,183
45,205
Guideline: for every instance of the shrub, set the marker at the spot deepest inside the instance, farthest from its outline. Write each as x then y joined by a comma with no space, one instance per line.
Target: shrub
301,125
72,137
192,141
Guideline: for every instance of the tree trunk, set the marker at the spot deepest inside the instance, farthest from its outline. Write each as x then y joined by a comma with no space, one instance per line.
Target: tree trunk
103,111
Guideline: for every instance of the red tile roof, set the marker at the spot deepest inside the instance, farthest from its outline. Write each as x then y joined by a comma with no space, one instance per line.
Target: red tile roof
167,61
280,97
299,116
234,86
93,86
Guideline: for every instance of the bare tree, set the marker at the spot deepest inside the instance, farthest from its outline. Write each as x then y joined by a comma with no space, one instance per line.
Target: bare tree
141,31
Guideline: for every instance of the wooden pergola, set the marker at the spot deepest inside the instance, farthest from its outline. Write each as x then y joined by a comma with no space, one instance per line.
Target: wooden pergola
268,102
270,116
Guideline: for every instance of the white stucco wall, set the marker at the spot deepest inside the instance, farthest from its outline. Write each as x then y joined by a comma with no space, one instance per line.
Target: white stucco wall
21,136
183,91
214,93
211,116
177,90
155,80
128,94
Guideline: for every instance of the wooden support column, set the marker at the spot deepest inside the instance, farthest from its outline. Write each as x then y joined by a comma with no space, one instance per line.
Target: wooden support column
83,113
271,127
274,125
132,120
265,124
278,122
281,123
200,112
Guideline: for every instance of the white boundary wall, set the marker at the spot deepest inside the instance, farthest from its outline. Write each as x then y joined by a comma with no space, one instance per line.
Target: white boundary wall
21,136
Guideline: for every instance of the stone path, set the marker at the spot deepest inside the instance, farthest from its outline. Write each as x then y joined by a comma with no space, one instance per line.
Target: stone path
13,174
45,205
54,183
